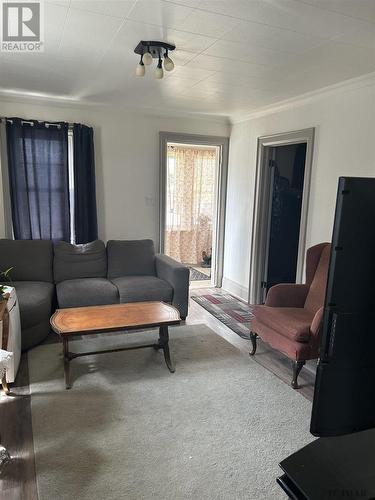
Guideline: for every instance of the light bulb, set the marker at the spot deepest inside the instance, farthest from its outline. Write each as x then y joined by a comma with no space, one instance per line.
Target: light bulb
168,63
159,73
147,58
141,70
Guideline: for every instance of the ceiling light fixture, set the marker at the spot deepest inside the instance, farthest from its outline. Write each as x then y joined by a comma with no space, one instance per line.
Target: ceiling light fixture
154,50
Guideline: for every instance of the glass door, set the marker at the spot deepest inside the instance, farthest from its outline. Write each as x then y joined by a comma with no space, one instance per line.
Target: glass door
191,181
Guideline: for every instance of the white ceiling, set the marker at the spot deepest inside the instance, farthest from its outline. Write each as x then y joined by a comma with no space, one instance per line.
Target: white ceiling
233,56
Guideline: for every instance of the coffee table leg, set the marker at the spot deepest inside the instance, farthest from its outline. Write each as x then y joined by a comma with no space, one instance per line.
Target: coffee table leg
163,343
66,363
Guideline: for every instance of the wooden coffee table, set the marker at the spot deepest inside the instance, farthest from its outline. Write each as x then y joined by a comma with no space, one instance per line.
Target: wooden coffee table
104,319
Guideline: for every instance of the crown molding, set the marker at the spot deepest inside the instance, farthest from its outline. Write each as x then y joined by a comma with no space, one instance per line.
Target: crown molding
43,99
77,103
366,80
170,113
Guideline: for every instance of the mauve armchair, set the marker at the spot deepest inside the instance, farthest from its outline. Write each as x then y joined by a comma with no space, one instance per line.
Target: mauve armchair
290,320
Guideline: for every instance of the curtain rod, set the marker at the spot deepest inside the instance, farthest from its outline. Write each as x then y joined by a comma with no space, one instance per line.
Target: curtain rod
47,124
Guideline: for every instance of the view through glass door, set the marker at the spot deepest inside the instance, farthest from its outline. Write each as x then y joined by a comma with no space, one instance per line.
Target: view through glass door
190,208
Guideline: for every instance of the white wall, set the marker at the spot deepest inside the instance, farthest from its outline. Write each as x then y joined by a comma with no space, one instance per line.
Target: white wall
344,124
127,161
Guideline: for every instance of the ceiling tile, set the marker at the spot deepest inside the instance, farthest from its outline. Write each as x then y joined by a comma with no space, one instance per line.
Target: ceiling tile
55,18
87,34
119,8
333,57
361,9
363,37
192,72
239,9
300,17
273,38
239,68
160,13
64,3
227,91
189,41
257,55
176,84
208,24
235,80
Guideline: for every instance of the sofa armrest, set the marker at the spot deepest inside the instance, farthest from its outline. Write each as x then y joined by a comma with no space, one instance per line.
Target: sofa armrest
177,275
287,295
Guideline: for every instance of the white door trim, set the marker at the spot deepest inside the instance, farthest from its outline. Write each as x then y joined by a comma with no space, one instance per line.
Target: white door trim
259,229
223,144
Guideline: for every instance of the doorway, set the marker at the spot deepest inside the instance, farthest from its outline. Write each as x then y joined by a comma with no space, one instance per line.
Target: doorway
279,226
192,204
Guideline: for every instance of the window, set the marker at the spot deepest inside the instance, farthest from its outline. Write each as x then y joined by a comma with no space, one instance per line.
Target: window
71,184
51,183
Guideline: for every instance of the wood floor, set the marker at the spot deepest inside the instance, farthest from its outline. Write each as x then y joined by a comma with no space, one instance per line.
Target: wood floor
18,481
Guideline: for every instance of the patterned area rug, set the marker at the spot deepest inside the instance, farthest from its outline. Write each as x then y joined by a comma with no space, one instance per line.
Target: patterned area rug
196,275
234,313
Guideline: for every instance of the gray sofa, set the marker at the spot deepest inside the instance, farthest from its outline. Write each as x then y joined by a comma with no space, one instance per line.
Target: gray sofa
48,275
32,276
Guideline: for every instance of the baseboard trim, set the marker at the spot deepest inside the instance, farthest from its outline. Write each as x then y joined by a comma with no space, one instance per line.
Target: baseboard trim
235,289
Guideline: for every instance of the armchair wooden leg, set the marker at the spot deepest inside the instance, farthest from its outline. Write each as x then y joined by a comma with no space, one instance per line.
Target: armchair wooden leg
253,338
297,367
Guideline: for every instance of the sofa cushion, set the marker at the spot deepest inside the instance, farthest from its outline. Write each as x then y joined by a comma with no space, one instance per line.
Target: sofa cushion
130,258
31,259
293,323
143,288
88,260
35,300
86,292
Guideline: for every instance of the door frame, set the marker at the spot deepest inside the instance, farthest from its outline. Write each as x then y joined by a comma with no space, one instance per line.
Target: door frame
221,191
261,204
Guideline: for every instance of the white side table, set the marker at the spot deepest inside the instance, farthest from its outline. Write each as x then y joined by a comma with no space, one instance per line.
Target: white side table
6,358
13,343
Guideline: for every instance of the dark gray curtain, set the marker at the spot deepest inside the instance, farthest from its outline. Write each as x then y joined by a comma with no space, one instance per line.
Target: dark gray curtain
85,217
38,178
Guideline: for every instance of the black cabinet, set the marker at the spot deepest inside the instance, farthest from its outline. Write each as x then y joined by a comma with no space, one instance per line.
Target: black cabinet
332,468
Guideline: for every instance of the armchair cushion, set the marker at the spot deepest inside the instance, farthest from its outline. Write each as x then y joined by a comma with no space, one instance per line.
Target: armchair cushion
291,322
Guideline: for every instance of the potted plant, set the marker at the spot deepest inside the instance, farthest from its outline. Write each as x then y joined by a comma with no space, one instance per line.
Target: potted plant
4,276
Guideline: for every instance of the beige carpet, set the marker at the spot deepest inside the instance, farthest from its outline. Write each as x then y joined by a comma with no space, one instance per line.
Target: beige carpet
128,429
